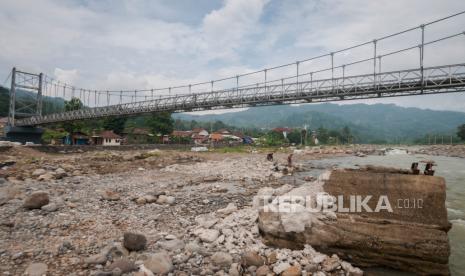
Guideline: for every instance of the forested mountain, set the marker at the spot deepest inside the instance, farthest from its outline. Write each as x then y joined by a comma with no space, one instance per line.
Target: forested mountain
378,122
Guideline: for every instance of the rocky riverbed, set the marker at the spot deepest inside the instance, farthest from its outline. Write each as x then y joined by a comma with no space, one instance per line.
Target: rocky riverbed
143,213
150,212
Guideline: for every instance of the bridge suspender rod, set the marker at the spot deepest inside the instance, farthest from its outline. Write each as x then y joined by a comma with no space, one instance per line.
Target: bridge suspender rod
422,53
297,75
374,63
332,71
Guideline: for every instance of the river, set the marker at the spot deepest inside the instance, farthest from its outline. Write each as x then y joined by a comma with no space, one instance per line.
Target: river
451,168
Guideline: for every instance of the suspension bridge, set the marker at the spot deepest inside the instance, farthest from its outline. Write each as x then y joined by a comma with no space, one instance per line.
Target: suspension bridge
355,72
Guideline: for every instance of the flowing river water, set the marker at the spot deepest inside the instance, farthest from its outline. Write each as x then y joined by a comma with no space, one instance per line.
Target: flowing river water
451,168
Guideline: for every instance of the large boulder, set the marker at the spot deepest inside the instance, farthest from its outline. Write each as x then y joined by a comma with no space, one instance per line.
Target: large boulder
403,223
134,241
36,200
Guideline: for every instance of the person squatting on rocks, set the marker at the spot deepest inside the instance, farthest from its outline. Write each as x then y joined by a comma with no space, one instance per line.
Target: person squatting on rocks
269,157
289,160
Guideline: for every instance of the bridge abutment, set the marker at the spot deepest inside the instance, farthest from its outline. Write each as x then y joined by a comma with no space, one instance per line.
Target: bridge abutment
24,134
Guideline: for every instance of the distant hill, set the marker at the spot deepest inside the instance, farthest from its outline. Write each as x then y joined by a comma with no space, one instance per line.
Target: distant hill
378,122
49,104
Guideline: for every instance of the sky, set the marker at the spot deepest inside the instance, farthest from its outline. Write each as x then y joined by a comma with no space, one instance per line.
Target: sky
143,44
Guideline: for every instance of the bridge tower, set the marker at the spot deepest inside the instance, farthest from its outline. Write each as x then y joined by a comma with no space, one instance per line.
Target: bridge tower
25,101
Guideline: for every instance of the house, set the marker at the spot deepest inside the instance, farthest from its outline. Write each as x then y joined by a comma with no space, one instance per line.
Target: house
200,136
223,131
200,139
181,133
106,138
216,137
200,131
76,138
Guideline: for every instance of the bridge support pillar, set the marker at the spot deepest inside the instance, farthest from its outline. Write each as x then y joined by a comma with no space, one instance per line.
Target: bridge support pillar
24,134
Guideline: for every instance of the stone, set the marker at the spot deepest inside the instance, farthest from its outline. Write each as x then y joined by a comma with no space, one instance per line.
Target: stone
330,264
164,199
134,241
272,257
60,173
36,200
172,245
125,265
262,271
141,200
46,177
231,208
208,235
251,258
38,172
206,221
292,271
235,270
36,269
279,268
159,263
111,195
96,259
222,259
150,198
51,207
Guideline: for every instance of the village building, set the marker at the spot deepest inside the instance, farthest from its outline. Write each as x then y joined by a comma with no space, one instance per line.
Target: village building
76,138
106,138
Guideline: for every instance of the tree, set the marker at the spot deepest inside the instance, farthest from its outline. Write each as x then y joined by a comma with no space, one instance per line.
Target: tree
73,104
461,132
346,135
295,136
114,123
160,123
322,135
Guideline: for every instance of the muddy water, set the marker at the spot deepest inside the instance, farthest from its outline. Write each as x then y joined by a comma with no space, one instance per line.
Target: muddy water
451,168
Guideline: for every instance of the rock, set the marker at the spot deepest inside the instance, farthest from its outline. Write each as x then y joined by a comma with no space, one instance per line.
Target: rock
46,177
172,245
231,208
263,271
36,200
38,172
251,258
51,207
96,259
206,221
208,235
150,198
60,173
125,265
292,271
111,195
141,200
143,271
163,199
235,270
36,269
134,242
222,259
279,268
272,257
330,264
405,230
159,263
170,237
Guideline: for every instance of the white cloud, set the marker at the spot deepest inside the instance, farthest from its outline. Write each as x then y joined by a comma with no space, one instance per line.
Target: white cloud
140,44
